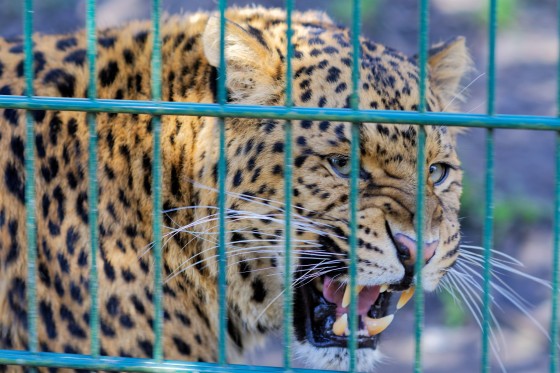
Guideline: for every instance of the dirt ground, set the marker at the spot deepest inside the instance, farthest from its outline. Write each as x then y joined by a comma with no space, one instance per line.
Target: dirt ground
525,84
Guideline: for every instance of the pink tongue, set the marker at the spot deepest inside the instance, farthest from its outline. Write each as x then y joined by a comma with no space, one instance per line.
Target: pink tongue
333,292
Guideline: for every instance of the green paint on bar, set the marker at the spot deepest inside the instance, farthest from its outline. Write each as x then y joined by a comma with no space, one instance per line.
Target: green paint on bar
533,122
156,185
222,173
288,171
353,241
31,233
221,110
421,160
419,294
354,186
487,242
554,319
92,176
489,180
124,364
555,267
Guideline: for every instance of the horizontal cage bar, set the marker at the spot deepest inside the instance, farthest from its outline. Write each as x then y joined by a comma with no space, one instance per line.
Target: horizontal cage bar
289,113
533,122
114,363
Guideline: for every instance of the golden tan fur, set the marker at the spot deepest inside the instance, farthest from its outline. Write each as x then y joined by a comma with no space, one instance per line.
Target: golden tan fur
256,75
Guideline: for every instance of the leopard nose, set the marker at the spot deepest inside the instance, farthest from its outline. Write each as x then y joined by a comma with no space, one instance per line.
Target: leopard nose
406,249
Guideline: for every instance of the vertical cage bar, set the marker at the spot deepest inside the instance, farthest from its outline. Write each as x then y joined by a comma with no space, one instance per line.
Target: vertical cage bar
222,172
424,20
555,264
156,183
489,191
356,29
488,242
553,363
30,182
419,295
92,175
421,160
288,164
354,185
492,28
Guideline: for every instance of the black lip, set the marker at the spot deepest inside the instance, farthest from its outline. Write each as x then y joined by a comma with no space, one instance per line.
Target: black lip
315,316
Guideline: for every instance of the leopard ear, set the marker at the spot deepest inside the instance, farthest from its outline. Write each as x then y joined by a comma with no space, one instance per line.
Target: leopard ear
448,63
254,70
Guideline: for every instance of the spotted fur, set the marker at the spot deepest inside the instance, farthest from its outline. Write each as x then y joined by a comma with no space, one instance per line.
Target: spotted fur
255,54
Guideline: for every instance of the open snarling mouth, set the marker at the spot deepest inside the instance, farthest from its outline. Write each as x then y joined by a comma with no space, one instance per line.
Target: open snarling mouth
322,312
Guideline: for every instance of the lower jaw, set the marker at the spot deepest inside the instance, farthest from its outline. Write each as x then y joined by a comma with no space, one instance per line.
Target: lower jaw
336,358
314,320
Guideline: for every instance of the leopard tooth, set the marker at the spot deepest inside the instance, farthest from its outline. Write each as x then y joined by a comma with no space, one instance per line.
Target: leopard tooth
405,297
340,325
318,285
383,288
376,326
346,297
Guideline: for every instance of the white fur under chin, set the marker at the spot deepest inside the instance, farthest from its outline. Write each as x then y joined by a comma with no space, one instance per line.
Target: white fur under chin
335,358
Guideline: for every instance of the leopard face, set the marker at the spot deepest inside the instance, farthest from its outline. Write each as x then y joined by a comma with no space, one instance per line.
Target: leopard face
256,70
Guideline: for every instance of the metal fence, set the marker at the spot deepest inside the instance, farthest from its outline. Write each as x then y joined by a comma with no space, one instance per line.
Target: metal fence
221,110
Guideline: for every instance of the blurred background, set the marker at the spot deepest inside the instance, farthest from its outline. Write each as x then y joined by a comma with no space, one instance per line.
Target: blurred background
527,50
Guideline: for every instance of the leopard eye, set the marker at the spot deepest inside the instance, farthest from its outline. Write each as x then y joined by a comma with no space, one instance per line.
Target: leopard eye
438,173
340,165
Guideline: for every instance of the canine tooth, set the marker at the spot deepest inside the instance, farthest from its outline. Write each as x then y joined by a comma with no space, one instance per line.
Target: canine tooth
383,288
318,285
340,325
405,297
346,297
376,326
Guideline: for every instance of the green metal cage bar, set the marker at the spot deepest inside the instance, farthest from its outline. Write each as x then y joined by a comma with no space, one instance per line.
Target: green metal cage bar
423,21
288,171
156,185
354,186
555,265
222,172
124,364
31,232
489,190
501,121
221,110
487,242
554,319
92,175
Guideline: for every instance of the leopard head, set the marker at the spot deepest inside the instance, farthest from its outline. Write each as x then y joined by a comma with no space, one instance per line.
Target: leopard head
320,240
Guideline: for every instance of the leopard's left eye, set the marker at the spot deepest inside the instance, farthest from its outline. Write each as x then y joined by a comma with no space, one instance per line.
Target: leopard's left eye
438,173
341,165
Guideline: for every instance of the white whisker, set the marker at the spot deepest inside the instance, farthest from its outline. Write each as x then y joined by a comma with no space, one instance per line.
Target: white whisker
457,95
464,281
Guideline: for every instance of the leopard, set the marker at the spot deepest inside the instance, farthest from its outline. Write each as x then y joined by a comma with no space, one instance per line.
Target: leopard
255,58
